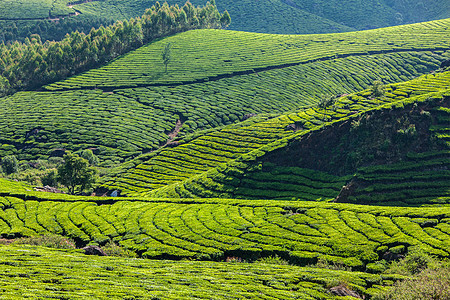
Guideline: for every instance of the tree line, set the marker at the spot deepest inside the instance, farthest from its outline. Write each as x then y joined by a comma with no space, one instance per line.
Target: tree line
33,63
19,30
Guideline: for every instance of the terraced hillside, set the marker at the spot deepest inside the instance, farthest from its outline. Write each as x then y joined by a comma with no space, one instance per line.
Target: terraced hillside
319,16
34,9
125,108
213,229
202,55
259,174
55,273
277,170
54,18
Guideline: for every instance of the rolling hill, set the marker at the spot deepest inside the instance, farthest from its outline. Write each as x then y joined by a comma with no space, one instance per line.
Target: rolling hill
131,105
53,19
397,145
251,166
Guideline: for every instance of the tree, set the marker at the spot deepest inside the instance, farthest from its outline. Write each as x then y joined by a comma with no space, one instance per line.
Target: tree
225,19
377,89
10,164
50,178
76,174
166,55
90,157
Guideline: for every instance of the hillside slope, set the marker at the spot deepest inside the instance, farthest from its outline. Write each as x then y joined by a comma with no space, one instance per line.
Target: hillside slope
132,106
202,55
315,170
53,19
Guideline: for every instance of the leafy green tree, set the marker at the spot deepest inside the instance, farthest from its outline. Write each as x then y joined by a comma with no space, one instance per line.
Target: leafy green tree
166,55
50,178
10,164
225,19
377,89
90,157
4,86
76,174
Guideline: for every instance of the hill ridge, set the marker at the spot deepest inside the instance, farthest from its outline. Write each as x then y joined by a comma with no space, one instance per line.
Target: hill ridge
247,72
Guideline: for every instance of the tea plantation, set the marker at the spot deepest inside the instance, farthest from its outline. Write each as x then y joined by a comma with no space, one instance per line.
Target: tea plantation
33,9
131,106
213,229
201,55
246,166
245,178
47,273
19,19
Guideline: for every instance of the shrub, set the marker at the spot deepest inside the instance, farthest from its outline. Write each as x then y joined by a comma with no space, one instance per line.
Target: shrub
377,89
414,262
50,178
112,249
48,240
90,157
272,260
429,284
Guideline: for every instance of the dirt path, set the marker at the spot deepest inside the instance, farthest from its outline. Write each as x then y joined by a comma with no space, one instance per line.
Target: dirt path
173,134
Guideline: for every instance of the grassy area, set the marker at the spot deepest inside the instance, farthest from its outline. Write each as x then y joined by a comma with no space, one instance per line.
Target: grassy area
201,55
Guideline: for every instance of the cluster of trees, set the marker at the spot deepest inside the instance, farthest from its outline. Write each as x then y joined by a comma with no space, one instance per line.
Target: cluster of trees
31,64
76,172
53,31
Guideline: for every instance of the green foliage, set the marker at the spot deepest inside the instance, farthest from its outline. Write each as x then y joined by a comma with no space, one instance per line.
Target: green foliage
50,178
47,240
67,273
112,249
377,89
10,164
272,260
225,19
76,174
430,283
326,101
33,63
414,262
166,55
90,157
